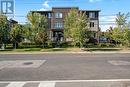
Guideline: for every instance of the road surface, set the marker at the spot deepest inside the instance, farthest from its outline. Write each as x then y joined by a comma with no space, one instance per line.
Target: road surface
63,66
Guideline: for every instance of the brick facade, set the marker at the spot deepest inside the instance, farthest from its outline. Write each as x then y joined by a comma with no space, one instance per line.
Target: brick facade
56,20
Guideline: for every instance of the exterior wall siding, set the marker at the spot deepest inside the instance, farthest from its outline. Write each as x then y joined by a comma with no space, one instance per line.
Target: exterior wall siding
96,25
51,29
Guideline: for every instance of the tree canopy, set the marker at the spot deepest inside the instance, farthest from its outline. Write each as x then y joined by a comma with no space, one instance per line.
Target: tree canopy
4,29
121,33
38,25
76,27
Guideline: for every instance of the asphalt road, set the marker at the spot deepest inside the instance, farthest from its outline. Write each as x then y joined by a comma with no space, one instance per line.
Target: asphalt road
68,67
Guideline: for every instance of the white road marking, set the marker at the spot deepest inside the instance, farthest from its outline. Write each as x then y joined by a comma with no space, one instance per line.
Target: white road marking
47,84
16,84
53,83
103,80
119,62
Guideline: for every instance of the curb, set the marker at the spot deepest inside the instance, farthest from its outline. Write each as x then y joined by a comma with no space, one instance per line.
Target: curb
93,52
100,80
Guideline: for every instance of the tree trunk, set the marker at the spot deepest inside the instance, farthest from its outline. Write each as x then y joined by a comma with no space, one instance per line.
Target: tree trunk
3,46
15,45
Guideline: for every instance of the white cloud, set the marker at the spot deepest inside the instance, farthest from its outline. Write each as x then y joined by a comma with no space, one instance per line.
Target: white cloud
92,1
43,9
106,22
45,4
107,18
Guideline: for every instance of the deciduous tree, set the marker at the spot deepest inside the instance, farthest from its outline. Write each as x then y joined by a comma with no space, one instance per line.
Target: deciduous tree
76,27
39,25
4,30
16,35
121,33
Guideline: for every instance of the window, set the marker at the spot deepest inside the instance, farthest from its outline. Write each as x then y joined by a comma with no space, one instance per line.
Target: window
58,25
58,15
49,15
94,35
92,14
91,24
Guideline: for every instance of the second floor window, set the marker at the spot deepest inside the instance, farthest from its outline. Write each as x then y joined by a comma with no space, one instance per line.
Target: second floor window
91,24
92,15
58,25
49,15
58,15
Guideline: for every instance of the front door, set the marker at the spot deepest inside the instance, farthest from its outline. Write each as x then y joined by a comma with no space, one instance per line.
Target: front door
58,35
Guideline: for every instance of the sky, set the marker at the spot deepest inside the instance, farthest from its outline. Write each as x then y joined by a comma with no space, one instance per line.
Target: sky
109,8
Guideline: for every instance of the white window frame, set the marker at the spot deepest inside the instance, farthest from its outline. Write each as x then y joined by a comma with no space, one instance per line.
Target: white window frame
58,25
58,15
92,15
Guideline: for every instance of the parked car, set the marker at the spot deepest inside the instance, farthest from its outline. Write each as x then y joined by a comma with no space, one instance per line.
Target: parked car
103,40
93,41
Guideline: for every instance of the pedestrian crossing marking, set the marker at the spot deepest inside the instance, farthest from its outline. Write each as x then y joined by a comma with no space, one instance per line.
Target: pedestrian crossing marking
47,84
64,83
16,84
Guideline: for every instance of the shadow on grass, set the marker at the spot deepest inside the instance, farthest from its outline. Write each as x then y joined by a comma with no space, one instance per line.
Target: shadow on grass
6,50
20,50
59,49
101,49
54,49
33,49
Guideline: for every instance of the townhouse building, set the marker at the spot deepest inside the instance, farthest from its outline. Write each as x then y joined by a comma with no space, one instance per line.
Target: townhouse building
55,19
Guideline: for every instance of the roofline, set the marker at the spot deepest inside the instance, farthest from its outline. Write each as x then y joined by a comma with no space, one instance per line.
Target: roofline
13,21
65,7
91,10
42,11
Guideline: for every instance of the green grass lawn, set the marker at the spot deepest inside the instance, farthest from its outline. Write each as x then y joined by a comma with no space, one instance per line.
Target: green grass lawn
62,49
89,48
34,50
